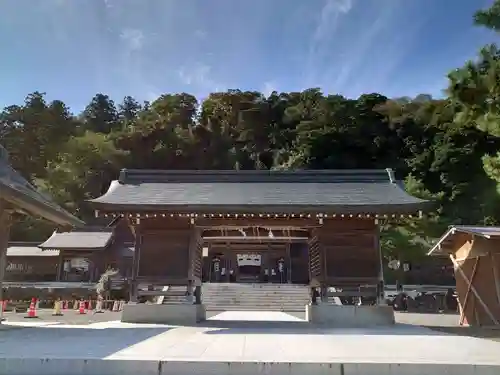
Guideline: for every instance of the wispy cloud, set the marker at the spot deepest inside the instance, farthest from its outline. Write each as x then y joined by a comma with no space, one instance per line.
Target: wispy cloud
328,21
200,77
357,45
134,39
328,18
357,55
200,34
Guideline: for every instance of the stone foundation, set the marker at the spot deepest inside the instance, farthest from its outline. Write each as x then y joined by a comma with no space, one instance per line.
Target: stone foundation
175,314
350,316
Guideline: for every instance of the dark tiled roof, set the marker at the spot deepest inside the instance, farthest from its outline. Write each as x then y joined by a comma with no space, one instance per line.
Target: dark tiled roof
19,192
341,191
89,238
28,249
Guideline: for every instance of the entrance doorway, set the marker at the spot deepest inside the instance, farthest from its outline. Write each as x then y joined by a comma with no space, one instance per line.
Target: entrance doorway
249,267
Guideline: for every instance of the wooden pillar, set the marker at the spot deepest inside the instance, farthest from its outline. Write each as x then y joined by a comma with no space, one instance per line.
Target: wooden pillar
5,221
60,266
289,264
381,282
315,263
193,256
134,286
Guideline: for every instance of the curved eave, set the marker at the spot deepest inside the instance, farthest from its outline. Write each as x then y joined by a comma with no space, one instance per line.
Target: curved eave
389,209
38,208
391,200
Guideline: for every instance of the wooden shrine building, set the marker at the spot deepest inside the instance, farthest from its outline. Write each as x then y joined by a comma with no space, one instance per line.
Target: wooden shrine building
474,252
70,262
316,227
18,196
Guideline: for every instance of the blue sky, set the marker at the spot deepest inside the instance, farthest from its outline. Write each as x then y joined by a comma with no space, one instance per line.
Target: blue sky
73,49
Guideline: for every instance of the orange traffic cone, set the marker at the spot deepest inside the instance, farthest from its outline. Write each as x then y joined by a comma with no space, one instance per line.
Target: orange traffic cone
81,309
32,309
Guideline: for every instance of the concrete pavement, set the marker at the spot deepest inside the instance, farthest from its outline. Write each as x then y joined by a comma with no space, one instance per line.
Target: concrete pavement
267,343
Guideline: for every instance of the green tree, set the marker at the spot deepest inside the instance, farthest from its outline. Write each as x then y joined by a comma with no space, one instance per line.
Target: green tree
476,89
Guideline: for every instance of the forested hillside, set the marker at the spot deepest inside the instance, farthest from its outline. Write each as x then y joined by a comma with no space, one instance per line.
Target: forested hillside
446,150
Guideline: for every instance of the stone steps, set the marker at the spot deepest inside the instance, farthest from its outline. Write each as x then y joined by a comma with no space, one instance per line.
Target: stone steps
255,297
221,308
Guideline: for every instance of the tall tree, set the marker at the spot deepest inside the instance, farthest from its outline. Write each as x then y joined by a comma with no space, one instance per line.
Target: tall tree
100,116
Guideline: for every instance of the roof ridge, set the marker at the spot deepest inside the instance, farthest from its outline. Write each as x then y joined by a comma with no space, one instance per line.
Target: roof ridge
132,176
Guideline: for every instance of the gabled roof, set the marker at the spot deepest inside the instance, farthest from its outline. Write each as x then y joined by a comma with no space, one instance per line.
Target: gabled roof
480,231
29,249
88,238
25,197
336,191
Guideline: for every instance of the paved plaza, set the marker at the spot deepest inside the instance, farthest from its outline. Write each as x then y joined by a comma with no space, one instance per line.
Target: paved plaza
237,343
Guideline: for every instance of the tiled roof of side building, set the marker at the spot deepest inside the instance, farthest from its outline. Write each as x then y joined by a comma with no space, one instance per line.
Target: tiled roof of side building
29,249
340,191
24,196
87,238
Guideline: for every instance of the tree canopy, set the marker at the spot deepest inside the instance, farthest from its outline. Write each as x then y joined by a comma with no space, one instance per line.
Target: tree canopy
447,150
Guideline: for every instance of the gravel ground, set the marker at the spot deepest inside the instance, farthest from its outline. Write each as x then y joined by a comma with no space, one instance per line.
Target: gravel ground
69,317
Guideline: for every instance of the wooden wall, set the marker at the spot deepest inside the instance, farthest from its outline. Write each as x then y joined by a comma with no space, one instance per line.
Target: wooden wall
164,249
31,268
350,248
338,248
483,272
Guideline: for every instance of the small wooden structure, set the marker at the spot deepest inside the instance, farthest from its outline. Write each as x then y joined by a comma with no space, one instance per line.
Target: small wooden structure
85,253
475,254
318,228
70,263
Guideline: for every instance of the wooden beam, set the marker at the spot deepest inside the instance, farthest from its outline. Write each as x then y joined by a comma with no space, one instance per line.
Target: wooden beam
466,300
261,232
213,223
257,239
473,289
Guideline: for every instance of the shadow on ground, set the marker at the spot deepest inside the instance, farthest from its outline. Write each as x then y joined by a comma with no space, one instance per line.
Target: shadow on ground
72,342
235,327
